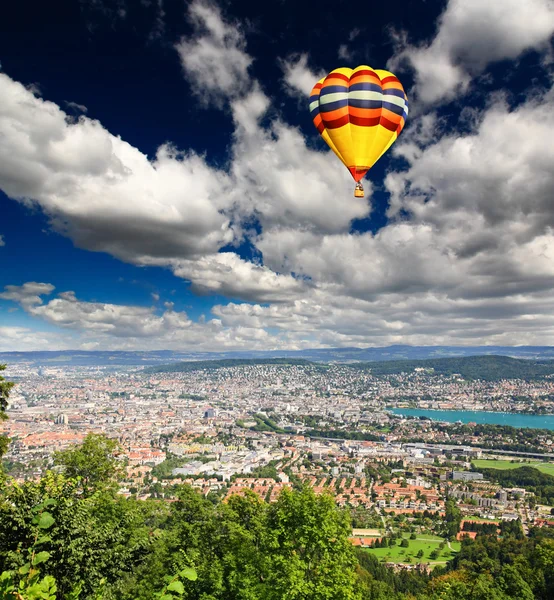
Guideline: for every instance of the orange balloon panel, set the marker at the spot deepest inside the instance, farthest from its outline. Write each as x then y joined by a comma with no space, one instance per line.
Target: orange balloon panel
359,113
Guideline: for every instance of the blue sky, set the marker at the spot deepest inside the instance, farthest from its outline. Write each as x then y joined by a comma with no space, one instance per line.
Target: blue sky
162,184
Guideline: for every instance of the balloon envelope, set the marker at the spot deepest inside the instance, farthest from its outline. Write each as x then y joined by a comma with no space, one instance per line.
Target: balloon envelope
359,113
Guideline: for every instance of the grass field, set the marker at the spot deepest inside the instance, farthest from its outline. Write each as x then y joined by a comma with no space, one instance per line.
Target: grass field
484,463
427,543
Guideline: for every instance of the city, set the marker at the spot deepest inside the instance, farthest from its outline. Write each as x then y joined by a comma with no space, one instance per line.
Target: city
265,427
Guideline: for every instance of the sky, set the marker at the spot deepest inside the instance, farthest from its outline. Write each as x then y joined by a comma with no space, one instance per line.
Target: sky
162,185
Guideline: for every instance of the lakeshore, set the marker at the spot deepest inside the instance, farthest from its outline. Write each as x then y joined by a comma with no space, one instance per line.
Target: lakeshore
480,417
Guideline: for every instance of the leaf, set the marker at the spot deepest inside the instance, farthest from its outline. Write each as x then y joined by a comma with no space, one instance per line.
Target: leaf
50,502
40,558
177,587
189,573
46,520
43,539
24,569
167,597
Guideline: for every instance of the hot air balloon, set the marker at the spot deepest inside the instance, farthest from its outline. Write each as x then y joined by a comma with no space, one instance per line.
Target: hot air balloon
359,113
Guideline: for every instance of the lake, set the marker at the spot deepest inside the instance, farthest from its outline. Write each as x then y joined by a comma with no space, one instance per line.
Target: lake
490,418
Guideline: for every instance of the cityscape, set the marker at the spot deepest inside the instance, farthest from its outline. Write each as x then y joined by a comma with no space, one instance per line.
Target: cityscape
261,427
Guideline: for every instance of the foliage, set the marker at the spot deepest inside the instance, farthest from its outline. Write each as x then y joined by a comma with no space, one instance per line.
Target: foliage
95,462
5,388
488,368
533,480
264,423
26,583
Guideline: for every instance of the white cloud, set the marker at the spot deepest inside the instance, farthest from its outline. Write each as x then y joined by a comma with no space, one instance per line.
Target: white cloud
344,53
77,108
227,274
24,339
174,210
299,78
103,193
467,256
472,34
215,62
284,183
498,175
28,295
116,326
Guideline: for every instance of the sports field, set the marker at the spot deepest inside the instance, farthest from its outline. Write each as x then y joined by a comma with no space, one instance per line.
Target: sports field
427,543
367,533
484,463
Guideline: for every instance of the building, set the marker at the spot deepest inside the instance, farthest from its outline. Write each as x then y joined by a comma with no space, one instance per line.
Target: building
466,476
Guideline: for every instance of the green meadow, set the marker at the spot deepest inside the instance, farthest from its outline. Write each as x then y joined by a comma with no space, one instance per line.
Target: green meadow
503,465
427,543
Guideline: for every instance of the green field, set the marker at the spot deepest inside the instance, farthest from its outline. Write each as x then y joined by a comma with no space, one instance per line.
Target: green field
547,468
427,543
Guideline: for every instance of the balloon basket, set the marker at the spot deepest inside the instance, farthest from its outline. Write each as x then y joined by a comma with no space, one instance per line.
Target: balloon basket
359,191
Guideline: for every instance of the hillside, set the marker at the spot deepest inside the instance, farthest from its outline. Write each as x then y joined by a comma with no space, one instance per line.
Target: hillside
489,368
198,365
58,358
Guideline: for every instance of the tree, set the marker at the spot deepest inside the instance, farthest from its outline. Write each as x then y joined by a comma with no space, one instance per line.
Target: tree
5,387
308,552
452,518
95,462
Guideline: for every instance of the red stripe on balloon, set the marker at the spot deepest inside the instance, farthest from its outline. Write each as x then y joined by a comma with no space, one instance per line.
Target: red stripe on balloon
337,122
363,122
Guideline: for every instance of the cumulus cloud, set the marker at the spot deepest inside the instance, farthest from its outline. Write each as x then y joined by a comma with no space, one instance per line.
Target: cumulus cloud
328,319
28,295
470,35
299,78
498,175
282,182
467,256
117,326
174,209
24,339
76,108
229,275
103,193
214,59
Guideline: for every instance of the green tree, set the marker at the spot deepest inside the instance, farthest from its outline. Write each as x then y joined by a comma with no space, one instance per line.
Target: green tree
308,552
95,462
5,388
452,519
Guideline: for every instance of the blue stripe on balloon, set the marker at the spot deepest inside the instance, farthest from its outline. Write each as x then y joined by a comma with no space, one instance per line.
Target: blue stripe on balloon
358,103
325,108
370,87
333,89
394,92
393,108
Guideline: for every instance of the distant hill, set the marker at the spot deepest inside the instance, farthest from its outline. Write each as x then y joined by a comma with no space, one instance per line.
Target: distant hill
488,368
114,359
198,365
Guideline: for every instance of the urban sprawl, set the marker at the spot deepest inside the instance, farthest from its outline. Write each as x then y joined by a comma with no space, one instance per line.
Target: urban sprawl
267,427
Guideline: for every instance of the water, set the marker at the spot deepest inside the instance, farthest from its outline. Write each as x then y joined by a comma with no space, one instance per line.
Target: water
481,417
